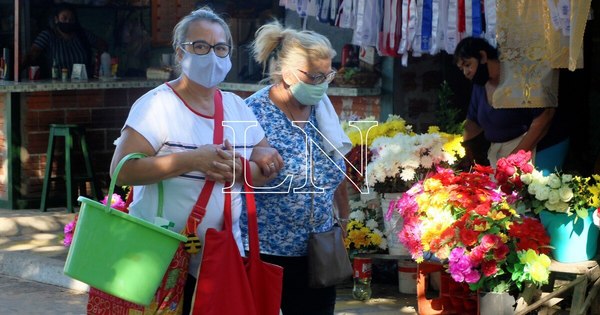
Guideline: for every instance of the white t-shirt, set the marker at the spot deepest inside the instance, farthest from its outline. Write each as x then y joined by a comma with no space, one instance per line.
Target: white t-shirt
171,126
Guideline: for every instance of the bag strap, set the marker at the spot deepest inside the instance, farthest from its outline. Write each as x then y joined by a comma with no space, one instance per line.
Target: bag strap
253,242
199,209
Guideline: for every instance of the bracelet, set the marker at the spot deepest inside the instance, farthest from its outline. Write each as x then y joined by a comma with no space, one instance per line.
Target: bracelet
342,220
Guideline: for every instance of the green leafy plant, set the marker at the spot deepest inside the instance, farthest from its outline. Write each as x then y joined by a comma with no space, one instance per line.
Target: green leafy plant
448,117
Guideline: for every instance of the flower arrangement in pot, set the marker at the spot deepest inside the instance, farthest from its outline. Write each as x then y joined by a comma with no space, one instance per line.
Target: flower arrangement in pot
363,232
565,203
465,221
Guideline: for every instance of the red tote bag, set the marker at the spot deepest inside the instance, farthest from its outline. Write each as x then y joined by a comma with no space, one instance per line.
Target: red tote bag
229,284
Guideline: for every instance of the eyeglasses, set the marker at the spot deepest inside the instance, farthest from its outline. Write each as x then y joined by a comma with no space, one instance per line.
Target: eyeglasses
320,78
201,47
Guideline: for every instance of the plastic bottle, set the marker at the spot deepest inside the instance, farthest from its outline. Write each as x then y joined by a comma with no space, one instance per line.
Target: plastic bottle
362,278
55,70
105,65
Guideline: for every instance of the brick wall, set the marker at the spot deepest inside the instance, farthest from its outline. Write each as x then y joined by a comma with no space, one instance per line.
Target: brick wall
101,112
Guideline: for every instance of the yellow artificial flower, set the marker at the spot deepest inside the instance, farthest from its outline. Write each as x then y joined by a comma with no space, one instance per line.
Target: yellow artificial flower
537,265
375,238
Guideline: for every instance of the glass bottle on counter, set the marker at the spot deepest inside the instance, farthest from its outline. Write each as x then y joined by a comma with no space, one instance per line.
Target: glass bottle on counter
362,278
55,70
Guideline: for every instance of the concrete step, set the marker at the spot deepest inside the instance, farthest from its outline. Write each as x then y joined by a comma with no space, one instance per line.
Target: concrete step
31,246
23,222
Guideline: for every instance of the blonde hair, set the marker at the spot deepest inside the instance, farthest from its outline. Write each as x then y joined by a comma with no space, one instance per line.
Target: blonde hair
276,47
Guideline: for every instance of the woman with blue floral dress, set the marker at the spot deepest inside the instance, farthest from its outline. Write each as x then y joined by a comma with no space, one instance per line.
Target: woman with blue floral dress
293,113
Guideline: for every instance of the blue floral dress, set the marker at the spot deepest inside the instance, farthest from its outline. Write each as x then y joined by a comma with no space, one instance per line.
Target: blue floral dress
284,211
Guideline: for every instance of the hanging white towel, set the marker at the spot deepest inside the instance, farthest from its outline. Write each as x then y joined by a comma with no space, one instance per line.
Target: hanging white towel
329,125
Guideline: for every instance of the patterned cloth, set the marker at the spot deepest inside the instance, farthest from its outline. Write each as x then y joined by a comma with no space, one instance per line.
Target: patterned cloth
284,215
167,301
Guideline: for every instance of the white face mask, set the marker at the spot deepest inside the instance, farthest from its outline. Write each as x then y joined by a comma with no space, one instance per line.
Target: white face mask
207,70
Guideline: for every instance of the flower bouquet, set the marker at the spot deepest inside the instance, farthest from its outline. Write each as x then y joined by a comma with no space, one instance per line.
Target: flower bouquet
464,220
363,233
563,193
362,133
405,158
563,203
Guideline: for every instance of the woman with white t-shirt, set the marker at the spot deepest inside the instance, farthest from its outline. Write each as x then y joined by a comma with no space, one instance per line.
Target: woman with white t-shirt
173,125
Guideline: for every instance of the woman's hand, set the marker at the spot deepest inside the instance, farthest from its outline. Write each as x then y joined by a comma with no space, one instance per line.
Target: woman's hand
267,159
220,163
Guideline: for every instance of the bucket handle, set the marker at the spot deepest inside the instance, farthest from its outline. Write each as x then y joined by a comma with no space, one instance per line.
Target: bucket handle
113,182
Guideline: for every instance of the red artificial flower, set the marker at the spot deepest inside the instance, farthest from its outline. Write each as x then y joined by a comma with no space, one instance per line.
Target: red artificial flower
489,267
468,237
501,251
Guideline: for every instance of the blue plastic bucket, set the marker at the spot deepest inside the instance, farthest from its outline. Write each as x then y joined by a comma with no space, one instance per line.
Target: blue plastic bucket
572,241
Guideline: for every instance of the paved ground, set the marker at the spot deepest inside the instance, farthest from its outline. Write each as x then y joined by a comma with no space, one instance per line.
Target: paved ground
20,296
26,297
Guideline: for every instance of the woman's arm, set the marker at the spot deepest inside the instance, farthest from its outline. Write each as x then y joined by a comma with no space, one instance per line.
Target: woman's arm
215,162
537,130
340,197
471,130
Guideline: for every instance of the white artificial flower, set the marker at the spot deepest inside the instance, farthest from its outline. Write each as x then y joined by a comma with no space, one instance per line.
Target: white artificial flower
371,224
542,193
357,215
553,196
565,193
526,179
383,244
558,207
567,178
554,181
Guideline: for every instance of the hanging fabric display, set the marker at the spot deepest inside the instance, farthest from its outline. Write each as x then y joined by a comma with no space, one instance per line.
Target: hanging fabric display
426,25
489,8
435,18
568,19
312,8
368,17
399,27
346,14
439,42
526,76
416,44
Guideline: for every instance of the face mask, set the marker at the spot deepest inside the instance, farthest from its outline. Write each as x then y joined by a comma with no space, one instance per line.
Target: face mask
482,74
308,94
207,70
67,28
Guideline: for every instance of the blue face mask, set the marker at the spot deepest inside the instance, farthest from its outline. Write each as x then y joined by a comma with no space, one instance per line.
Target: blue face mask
207,70
308,94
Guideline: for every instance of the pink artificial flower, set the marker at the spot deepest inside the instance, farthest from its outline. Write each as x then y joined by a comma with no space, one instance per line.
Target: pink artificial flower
472,276
489,241
116,203
69,230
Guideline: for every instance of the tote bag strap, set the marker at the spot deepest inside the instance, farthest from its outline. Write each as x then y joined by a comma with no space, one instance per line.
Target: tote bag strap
199,209
253,242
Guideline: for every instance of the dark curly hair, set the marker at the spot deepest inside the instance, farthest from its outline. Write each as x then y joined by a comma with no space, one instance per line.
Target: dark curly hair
470,47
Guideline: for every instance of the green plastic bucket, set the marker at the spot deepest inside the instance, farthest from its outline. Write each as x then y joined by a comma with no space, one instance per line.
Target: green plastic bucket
118,253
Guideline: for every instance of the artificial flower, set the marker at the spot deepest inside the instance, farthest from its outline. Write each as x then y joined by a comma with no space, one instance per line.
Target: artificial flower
363,232
466,218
